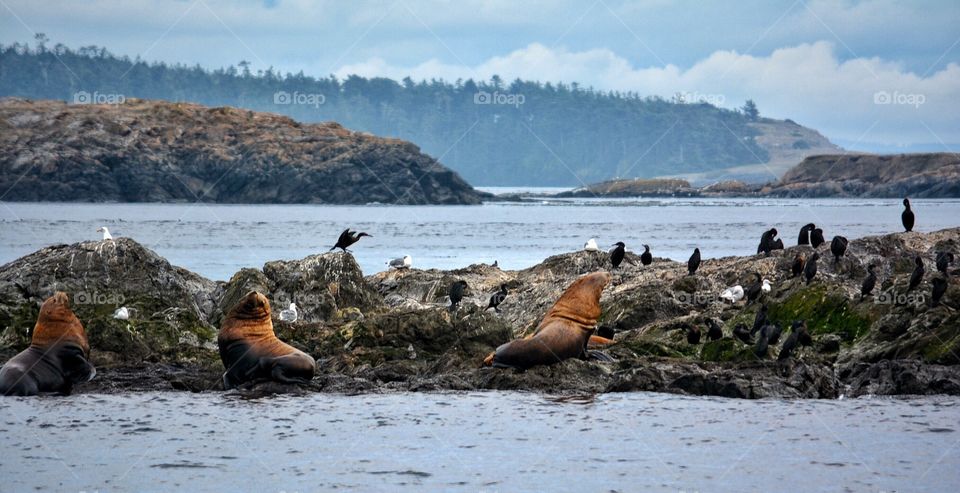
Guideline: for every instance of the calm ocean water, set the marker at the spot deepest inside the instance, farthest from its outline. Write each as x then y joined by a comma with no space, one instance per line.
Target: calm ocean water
477,442
217,240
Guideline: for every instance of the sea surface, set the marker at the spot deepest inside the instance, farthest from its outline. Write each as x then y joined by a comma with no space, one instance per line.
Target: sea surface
217,240
477,442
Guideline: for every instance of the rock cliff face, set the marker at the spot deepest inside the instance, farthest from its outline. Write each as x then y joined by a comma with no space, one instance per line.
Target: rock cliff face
866,175
153,151
394,330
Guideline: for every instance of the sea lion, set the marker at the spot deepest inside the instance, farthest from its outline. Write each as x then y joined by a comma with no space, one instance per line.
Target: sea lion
564,331
57,356
250,350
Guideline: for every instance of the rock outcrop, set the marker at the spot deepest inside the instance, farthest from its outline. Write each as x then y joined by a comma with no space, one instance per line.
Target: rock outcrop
935,175
154,151
395,330
835,175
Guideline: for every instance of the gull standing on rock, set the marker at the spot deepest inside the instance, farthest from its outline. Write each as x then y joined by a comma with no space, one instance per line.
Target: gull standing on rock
106,233
290,314
122,313
732,294
401,263
591,245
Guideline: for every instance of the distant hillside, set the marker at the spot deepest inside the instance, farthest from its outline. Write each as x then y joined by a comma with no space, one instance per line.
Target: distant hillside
491,132
150,151
870,175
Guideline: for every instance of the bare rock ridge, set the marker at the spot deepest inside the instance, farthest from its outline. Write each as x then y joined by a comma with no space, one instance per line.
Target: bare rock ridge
154,151
394,331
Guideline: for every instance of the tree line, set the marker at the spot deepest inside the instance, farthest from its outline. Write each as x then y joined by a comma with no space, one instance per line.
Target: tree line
492,132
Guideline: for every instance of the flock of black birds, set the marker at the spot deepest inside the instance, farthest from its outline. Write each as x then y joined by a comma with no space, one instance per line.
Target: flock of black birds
765,331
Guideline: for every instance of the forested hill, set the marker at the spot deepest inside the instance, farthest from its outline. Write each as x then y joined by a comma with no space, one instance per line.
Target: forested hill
491,132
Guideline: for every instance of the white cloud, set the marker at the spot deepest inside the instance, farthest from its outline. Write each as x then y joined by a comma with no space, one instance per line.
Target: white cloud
808,83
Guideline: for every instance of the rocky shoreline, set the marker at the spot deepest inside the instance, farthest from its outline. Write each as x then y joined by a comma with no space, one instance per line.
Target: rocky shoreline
932,175
392,331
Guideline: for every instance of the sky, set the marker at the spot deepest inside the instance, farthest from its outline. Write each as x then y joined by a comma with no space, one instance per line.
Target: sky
871,75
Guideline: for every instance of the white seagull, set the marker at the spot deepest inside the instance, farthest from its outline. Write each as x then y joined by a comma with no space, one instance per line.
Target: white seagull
591,245
732,294
290,314
766,286
401,263
122,313
106,233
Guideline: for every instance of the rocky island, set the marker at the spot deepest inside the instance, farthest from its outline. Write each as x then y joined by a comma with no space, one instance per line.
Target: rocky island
935,175
155,151
394,330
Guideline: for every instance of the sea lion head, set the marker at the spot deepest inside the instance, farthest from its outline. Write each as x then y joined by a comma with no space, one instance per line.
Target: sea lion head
253,306
581,301
58,324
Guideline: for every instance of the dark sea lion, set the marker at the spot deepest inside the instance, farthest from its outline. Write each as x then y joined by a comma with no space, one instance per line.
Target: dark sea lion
564,331
250,349
57,356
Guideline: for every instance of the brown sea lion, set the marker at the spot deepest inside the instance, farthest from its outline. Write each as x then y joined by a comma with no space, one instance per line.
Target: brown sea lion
563,333
250,350
57,356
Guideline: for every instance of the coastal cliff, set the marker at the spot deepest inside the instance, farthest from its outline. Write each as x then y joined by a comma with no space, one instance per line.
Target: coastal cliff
394,331
154,151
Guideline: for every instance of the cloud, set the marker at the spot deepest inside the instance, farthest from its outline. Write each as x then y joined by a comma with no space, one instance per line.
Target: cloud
865,99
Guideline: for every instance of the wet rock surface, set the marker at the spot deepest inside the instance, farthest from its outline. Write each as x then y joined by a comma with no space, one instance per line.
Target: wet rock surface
395,330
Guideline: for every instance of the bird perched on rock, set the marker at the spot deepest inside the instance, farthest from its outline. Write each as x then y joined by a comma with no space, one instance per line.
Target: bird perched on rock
617,254
944,259
732,294
804,238
694,263
773,333
766,287
917,276
760,350
869,282
497,298
693,334
714,331
646,258
591,245
766,241
939,288
755,289
106,233
743,333
810,269
777,244
907,217
122,313
804,335
797,267
838,247
816,238
401,263
759,320
456,292
347,238
791,343
290,314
